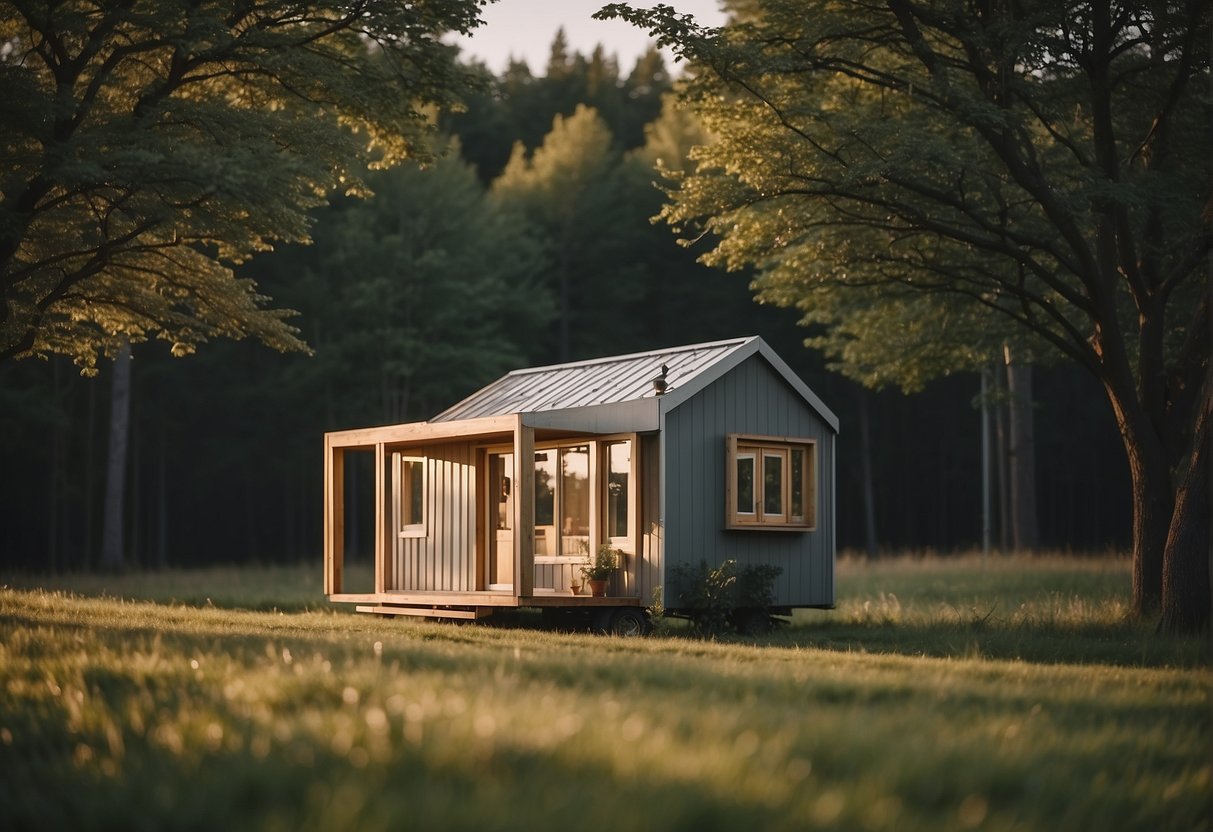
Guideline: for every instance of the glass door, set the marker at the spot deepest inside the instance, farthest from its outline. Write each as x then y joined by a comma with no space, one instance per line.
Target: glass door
501,522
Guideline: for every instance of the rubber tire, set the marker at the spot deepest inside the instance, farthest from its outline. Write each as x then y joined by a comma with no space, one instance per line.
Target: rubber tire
629,622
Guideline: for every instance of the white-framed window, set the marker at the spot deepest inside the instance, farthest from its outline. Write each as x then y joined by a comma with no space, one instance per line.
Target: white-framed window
411,485
771,483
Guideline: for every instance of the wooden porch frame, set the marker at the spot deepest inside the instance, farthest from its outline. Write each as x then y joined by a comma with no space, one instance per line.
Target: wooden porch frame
378,440
382,441
524,509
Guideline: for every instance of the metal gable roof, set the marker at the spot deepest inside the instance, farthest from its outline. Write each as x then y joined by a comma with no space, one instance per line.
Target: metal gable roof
622,378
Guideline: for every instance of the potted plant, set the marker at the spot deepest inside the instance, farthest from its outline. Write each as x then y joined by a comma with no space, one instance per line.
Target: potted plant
606,561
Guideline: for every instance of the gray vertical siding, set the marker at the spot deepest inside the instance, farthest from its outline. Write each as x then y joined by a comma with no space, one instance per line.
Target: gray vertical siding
445,559
752,399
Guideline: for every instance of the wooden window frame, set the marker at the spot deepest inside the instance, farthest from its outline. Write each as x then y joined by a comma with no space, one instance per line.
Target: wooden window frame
759,448
403,490
627,542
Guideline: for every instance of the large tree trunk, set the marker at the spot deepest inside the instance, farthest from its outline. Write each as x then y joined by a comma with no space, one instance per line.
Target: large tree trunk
1153,497
113,540
1024,533
1186,589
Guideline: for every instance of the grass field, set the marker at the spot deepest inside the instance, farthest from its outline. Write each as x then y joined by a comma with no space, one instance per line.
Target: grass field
941,694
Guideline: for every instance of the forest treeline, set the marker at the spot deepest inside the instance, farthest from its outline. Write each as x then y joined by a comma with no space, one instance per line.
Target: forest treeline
528,241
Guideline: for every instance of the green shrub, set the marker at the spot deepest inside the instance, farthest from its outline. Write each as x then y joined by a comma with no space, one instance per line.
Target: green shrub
711,596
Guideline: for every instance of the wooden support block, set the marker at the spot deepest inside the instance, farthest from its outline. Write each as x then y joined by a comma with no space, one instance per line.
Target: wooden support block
427,612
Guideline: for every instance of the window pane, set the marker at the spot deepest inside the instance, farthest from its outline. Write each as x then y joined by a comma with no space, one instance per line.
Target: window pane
545,487
416,492
797,483
575,499
619,470
745,483
772,484
501,468
412,492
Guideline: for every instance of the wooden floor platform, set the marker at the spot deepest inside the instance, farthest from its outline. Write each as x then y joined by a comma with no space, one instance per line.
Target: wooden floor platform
471,605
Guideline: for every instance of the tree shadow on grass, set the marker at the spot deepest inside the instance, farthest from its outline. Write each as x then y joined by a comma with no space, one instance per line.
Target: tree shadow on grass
1132,644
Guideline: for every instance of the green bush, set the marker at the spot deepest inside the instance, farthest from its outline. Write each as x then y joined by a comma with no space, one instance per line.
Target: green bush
712,596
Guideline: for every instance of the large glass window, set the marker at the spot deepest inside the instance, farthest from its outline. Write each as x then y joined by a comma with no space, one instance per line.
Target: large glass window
771,483
546,482
575,500
545,488
585,492
619,474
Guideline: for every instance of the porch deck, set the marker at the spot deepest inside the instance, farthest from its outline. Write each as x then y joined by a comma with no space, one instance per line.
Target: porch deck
484,598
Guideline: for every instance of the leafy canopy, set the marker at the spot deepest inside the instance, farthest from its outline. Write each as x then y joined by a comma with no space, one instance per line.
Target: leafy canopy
926,180
150,146
428,288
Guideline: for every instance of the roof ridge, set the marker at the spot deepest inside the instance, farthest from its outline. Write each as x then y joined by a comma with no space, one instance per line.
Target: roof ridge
607,359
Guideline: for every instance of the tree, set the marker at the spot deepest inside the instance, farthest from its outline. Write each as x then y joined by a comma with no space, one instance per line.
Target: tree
150,147
569,190
431,290
1042,164
519,107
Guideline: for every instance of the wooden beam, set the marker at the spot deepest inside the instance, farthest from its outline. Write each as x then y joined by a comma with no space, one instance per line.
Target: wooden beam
334,518
428,612
429,599
381,520
556,600
594,474
423,432
524,508
632,574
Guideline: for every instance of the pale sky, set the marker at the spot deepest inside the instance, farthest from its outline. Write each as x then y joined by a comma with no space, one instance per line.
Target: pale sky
525,28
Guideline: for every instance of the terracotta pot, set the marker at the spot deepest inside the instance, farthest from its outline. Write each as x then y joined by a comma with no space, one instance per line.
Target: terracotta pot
598,588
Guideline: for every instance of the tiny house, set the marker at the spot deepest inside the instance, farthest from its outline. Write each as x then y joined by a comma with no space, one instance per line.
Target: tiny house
688,455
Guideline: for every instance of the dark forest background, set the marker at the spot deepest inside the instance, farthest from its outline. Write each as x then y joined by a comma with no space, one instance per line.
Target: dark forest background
529,242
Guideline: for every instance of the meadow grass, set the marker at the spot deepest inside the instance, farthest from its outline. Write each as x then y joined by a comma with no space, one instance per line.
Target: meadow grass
941,694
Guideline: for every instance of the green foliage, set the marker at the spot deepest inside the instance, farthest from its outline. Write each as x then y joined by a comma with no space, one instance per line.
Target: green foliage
153,147
606,561
519,106
883,167
181,717
570,189
711,595
424,290
656,610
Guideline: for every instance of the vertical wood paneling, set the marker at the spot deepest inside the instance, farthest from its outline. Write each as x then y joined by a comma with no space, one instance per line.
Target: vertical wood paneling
445,559
751,399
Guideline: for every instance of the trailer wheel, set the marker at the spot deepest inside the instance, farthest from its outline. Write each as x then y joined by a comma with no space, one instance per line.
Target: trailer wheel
629,622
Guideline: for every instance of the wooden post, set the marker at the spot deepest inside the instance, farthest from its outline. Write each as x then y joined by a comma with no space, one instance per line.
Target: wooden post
635,531
380,519
334,517
524,510
594,477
